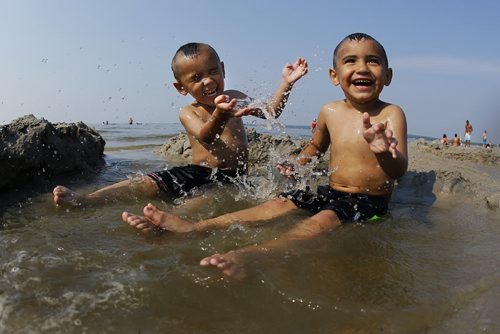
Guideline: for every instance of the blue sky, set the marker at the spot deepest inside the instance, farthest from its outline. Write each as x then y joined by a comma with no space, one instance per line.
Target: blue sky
109,60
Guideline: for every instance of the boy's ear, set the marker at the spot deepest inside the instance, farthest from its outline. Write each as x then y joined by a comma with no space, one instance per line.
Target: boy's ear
180,88
333,76
388,77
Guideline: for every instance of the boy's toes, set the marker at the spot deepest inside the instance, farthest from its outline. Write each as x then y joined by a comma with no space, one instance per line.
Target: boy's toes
125,216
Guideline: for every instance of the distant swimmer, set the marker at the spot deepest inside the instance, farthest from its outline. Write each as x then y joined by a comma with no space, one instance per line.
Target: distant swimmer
313,125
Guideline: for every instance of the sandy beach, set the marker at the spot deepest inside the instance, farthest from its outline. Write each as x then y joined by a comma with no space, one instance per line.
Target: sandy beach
470,172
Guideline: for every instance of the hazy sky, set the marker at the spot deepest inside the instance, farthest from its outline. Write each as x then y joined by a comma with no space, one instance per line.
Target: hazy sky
97,60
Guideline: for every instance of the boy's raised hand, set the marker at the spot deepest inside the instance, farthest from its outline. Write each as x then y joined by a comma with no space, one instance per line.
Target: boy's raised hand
295,71
378,137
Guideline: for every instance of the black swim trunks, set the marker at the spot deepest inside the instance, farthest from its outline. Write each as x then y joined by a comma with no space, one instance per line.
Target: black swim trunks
347,206
178,181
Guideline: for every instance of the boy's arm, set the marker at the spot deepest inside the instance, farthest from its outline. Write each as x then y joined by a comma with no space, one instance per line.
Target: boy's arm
389,142
291,74
208,131
319,142
315,148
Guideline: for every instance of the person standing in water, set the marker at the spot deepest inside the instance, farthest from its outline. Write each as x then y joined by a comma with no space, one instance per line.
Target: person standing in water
468,133
213,122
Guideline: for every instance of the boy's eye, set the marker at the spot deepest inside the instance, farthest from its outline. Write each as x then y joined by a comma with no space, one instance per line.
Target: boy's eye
214,71
374,60
196,78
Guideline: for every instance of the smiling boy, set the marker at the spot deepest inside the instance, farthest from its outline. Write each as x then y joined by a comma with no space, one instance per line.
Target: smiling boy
368,152
214,126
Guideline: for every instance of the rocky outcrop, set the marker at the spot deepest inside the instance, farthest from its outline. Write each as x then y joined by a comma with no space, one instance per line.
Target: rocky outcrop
262,148
32,147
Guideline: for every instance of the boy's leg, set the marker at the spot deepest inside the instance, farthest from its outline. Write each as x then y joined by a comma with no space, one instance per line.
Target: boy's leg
120,190
271,209
232,263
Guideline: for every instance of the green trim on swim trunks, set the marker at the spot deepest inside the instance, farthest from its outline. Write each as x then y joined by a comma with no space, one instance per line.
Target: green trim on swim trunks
375,218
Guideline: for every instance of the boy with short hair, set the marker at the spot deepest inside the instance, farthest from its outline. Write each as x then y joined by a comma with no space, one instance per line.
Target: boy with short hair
213,124
368,152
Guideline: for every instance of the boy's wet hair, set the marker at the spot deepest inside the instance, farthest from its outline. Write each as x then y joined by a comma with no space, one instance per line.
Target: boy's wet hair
189,50
358,37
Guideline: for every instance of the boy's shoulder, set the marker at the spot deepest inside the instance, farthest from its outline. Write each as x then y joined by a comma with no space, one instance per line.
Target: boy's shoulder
333,105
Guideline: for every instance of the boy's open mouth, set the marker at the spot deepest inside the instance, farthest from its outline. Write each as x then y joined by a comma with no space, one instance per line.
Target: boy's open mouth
362,82
210,93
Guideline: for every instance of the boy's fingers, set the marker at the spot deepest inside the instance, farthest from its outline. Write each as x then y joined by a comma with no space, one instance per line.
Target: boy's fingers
221,99
366,121
232,103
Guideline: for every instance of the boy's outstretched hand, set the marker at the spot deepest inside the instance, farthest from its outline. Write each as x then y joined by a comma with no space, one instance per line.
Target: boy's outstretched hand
228,107
295,71
379,138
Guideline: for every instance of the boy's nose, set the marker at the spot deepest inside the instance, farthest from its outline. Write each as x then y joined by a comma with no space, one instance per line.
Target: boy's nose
362,66
206,81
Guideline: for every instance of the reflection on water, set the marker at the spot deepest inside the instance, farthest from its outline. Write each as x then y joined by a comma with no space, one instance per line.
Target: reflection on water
430,266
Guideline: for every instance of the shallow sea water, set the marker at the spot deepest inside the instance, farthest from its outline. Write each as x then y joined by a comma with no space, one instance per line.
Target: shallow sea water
431,266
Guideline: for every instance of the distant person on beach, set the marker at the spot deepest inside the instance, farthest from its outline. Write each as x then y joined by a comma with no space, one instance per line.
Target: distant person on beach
368,152
485,138
130,121
468,133
214,126
456,141
314,123
444,139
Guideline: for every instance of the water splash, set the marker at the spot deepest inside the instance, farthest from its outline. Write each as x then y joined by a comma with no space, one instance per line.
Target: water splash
136,178
271,123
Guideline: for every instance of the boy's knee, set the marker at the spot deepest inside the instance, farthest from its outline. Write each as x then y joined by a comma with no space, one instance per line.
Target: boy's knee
282,202
327,219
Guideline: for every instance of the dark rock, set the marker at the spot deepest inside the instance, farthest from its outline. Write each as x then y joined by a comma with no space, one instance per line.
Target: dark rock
32,147
262,148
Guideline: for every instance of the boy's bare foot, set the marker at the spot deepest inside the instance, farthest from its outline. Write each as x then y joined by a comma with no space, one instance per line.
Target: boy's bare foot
155,219
167,221
142,223
65,196
231,264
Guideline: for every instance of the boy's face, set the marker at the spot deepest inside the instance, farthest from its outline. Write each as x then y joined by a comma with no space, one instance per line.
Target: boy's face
361,71
202,77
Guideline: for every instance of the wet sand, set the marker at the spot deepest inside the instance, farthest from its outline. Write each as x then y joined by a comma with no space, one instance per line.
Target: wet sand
471,172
